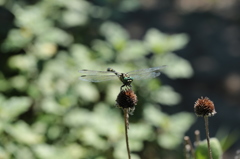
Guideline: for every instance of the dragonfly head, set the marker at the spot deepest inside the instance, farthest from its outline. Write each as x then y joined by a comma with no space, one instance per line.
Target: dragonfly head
126,79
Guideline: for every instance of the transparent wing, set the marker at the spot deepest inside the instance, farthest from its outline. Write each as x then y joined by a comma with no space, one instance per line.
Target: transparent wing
146,73
97,78
92,72
147,70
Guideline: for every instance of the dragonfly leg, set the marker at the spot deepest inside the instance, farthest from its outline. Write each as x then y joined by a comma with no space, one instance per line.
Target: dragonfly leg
121,88
127,86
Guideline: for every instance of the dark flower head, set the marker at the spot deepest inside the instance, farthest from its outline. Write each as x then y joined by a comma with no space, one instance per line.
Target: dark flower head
127,99
204,107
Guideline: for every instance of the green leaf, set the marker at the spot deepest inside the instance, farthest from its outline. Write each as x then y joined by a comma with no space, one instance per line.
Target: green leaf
140,131
115,35
181,122
23,62
13,107
129,5
177,67
159,42
55,35
44,151
134,50
4,154
23,133
120,151
154,116
16,40
24,152
202,149
72,18
166,95
227,138
77,117
103,50
87,91
173,130
19,82
169,140
50,105
4,83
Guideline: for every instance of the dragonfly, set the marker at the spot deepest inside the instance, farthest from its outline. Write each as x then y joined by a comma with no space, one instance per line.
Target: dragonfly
125,78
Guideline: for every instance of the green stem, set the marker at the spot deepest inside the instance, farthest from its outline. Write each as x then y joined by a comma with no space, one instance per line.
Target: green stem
207,133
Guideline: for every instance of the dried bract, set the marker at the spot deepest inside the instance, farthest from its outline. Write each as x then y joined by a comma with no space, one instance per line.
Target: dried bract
204,107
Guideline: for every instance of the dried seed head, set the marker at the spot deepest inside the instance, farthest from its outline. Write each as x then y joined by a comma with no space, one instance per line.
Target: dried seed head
204,107
127,99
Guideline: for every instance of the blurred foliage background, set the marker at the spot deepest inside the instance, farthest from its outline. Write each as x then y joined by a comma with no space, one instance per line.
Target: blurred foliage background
47,113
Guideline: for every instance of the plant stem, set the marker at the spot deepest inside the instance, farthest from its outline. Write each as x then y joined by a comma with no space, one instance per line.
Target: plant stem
186,147
189,147
237,155
197,137
207,133
126,116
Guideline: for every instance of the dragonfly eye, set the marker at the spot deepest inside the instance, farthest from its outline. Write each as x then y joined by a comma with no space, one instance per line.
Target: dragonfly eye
128,79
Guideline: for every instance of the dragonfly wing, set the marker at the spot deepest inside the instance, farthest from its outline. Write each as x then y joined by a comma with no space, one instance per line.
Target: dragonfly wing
92,72
144,75
97,78
147,70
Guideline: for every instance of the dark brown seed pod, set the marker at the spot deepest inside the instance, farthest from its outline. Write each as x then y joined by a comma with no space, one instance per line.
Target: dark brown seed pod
127,99
204,107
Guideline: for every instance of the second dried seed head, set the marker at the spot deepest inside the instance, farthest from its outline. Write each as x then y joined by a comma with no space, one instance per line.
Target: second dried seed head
204,107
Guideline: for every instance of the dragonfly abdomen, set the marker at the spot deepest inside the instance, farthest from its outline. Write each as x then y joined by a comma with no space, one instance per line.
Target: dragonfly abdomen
110,70
113,71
